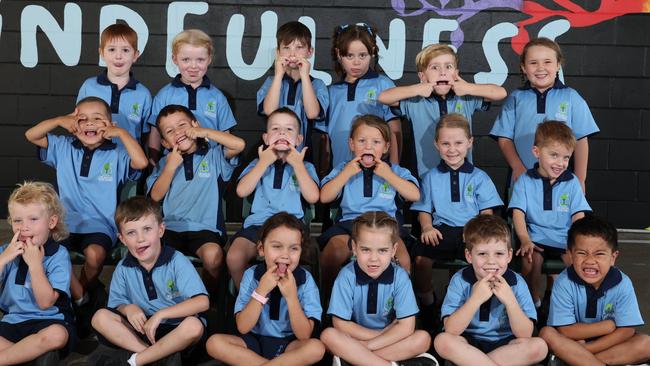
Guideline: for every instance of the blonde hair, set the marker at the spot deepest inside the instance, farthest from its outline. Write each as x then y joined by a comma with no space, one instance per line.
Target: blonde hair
484,229
43,193
453,120
375,220
430,52
554,132
193,37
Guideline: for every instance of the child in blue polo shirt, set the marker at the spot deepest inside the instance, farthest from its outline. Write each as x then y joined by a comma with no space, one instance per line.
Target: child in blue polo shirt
35,275
291,86
130,101
89,171
186,181
155,294
356,56
594,310
488,313
364,183
372,305
280,178
440,91
192,52
278,304
545,201
543,97
452,194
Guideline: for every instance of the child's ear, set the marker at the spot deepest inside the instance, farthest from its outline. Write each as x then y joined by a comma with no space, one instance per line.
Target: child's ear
174,59
195,123
536,152
165,144
161,229
471,142
299,139
468,256
421,77
54,219
351,144
260,249
137,55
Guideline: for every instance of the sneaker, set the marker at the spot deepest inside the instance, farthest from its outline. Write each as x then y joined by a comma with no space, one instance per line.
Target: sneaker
423,359
338,361
50,358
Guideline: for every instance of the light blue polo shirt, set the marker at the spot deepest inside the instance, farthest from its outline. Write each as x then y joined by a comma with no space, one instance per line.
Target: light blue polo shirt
88,181
17,300
274,319
172,280
130,107
453,197
192,201
277,190
424,114
291,97
575,301
525,108
548,208
366,191
349,100
491,322
372,303
207,102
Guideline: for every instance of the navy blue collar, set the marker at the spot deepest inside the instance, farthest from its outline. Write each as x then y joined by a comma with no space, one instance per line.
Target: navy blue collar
202,147
371,74
298,273
385,277
176,82
612,278
467,167
106,145
439,98
50,247
165,256
290,80
102,79
564,177
556,85
470,276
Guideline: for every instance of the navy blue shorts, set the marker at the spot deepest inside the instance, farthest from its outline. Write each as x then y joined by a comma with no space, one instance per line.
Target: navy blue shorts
15,332
487,346
189,242
340,228
449,248
266,346
551,252
250,233
79,242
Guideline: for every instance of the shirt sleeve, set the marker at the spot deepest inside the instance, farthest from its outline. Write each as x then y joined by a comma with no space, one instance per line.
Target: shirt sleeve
146,111
518,198
579,202
54,150
155,173
455,297
247,285
335,171
388,114
310,299
562,309
261,95
126,172
158,103
525,300
248,168
118,293
626,312
582,121
58,271
342,298
323,98
311,170
405,174
504,126
425,204
404,297
83,92
477,103
225,118
188,281
226,166
486,193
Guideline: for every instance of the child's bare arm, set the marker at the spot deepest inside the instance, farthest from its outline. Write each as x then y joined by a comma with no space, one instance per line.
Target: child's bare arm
509,151
520,324
408,190
394,333
489,92
161,186
308,188
331,189
610,340
393,96
189,307
132,146
580,331
581,158
527,246
354,330
250,314
300,324
37,135
248,182
309,99
272,98
44,294
153,142
232,144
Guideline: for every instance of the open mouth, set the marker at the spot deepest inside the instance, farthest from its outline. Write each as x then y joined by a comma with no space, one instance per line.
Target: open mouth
141,250
368,159
282,268
491,270
442,82
590,271
180,140
90,133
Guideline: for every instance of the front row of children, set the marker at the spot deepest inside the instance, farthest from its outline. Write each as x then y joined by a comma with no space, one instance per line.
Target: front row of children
156,297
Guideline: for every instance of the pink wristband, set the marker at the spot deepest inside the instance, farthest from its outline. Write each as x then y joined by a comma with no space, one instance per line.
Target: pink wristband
260,298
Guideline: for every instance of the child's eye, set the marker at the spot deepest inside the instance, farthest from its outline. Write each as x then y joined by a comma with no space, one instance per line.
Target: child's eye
17,221
449,66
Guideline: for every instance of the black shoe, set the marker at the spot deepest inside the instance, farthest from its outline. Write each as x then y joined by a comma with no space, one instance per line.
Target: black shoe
424,359
50,358
108,356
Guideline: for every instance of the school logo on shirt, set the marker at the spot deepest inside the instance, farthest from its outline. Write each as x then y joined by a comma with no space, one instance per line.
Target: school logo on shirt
293,183
389,310
371,97
608,312
172,290
563,204
106,174
211,109
562,111
386,191
204,169
135,113
459,107
469,192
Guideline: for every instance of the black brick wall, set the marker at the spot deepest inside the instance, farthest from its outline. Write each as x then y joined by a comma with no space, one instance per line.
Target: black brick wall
608,63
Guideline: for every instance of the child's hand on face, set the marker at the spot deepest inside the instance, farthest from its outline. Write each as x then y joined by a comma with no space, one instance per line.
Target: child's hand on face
303,66
268,281
431,236
281,64
266,156
287,285
294,157
482,289
150,327
425,89
503,291
382,169
109,130
174,158
527,249
33,254
460,86
136,317
70,122
196,133
353,167
14,249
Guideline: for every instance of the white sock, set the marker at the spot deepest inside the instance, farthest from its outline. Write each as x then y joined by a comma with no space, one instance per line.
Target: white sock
131,360
82,300
393,363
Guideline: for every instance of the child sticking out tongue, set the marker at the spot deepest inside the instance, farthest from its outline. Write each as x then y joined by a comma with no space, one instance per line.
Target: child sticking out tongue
282,269
368,160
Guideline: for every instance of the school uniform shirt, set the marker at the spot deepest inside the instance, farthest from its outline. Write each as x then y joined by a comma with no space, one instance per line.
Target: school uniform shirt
274,319
17,300
366,191
548,208
372,303
291,97
349,100
453,197
526,107
88,181
172,280
490,323
207,102
424,114
192,201
277,190
130,106
575,301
